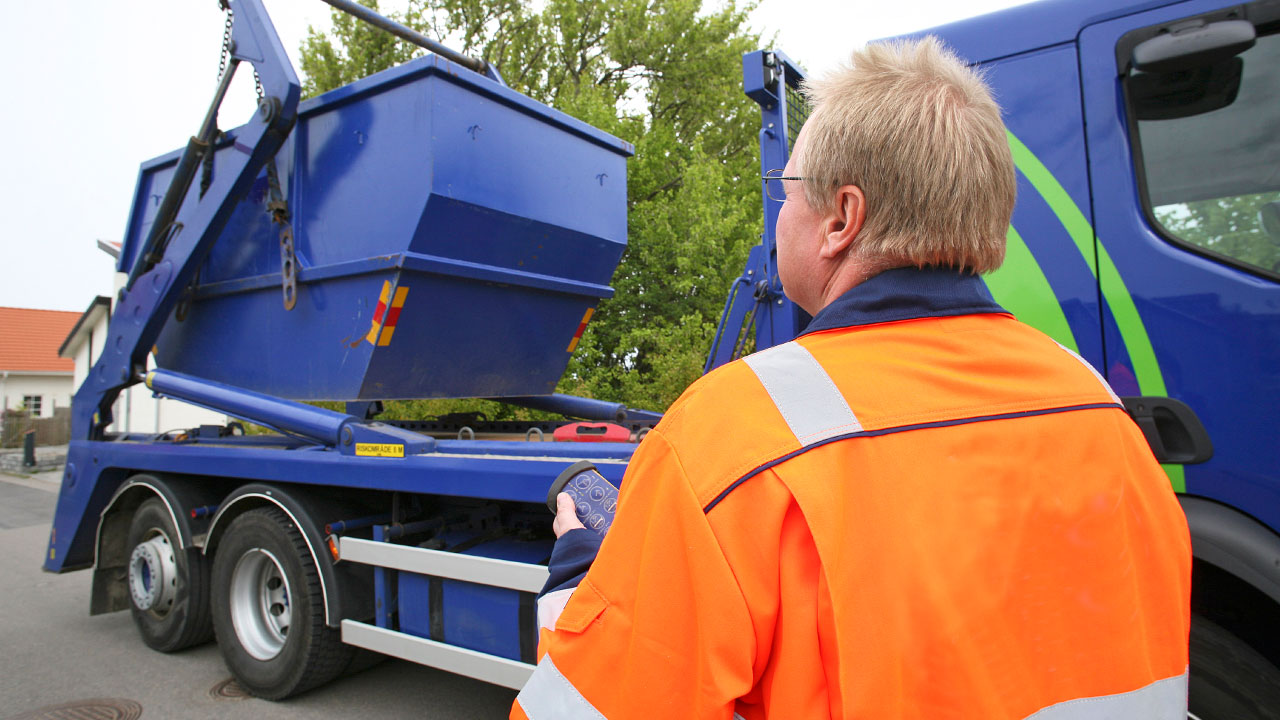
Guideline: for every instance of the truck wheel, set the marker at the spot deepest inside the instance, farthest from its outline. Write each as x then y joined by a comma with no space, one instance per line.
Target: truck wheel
268,609
1228,678
168,587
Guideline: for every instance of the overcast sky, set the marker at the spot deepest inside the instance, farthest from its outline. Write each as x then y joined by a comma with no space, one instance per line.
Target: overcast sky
95,88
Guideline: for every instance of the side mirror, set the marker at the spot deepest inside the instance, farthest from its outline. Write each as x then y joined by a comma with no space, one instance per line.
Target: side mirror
1192,44
1171,95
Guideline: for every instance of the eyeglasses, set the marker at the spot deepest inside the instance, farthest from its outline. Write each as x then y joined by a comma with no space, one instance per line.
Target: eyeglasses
773,186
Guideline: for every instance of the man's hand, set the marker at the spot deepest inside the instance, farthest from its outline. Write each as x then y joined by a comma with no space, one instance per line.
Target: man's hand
566,515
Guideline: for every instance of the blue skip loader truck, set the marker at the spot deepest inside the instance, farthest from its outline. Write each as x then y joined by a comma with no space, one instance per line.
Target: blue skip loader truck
427,232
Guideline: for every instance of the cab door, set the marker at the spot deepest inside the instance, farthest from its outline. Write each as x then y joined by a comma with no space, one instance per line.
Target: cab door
1184,164
1182,112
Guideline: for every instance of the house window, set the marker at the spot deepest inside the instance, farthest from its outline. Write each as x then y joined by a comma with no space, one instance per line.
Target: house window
33,404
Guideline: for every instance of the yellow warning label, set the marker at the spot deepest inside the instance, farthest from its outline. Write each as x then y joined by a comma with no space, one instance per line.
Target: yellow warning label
379,450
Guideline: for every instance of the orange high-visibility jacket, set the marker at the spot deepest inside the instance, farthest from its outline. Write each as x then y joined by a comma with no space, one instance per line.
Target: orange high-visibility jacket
920,509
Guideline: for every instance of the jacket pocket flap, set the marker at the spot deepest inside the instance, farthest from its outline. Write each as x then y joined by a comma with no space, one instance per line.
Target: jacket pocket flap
583,608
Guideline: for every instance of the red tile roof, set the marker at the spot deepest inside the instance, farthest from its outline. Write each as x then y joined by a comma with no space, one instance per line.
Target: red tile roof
29,339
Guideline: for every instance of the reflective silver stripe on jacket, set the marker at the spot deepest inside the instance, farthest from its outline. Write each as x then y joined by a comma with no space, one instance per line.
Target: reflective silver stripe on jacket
806,396
550,696
551,605
1161,700
1093,370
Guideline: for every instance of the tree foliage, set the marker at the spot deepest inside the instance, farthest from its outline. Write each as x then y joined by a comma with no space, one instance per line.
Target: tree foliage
354,50
662,74
1229,226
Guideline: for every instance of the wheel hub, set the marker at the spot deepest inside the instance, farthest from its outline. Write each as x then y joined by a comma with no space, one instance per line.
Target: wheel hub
153,575
260,609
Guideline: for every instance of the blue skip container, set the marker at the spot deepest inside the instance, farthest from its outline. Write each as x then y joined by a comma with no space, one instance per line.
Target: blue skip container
452,238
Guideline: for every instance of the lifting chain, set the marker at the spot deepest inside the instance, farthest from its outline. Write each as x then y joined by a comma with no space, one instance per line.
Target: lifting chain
226,47
277,205
226,37
206,169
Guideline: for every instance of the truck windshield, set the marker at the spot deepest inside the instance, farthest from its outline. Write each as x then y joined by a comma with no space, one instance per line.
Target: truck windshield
1211,155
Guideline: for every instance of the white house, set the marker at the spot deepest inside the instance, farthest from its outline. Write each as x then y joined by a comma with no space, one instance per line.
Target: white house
32,375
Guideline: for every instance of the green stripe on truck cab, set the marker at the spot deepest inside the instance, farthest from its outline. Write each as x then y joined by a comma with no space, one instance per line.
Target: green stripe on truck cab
1032,283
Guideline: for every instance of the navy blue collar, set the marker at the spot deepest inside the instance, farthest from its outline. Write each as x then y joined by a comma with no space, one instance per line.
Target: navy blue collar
907,294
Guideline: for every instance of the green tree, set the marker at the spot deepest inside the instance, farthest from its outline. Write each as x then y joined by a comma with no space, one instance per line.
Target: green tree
662,74
1230,226
354,50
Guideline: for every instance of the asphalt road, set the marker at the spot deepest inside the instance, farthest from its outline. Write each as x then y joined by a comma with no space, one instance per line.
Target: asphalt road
52,653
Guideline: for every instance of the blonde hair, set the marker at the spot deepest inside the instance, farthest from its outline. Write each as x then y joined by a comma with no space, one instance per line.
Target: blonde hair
921,135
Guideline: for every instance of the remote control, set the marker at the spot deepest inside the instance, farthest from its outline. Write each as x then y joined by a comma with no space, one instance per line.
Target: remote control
595,498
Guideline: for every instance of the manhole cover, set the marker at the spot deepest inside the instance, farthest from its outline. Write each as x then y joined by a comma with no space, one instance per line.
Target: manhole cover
228,689
95,709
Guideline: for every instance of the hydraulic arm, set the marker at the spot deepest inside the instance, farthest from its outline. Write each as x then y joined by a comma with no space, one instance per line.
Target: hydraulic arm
189,223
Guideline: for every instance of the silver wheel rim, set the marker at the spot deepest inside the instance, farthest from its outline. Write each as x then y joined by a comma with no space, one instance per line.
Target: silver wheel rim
153,574
260,609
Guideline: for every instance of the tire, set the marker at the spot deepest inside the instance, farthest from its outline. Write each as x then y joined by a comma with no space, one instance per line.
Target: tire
1229,679
268,609
168,587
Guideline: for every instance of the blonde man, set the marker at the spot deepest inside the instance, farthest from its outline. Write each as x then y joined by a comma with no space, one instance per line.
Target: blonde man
919,508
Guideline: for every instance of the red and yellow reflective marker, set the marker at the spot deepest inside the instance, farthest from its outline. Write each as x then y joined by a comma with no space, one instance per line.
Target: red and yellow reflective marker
582,326
392,315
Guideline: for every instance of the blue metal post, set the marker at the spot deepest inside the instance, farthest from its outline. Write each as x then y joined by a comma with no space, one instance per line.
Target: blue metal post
777,319
766,75
341,526
384,604
580,407
322,426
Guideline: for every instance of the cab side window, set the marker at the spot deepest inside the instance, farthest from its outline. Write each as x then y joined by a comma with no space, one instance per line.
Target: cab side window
1208,150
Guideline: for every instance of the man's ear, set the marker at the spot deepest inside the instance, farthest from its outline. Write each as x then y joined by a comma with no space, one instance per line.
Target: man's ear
844,222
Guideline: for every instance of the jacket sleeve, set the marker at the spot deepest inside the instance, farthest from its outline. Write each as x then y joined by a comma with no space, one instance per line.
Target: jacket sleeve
571,557
658,626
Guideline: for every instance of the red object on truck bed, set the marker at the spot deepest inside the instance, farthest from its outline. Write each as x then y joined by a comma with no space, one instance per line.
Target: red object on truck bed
592,432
